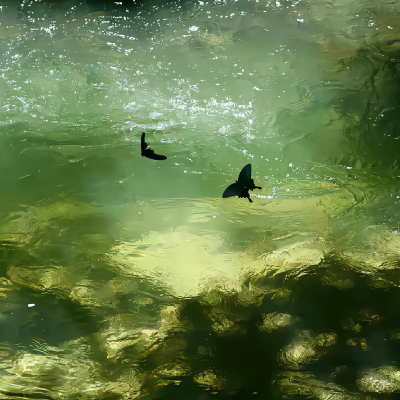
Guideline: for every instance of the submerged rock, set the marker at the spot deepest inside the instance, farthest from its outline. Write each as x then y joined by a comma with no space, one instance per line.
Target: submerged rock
126,332
380,250
166,259
297,257
355,342
252,295
64,372
173,370
276,321
350,325
306,385
65,282
222,324
89,294
45,279
385,379
305,349
211,380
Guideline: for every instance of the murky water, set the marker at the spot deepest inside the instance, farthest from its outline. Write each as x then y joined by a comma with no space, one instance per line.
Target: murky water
123,277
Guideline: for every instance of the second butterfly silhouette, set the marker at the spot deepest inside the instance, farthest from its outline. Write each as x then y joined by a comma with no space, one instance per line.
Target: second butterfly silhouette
148,152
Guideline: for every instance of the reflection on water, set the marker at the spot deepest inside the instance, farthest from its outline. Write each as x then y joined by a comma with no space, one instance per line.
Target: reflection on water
123,277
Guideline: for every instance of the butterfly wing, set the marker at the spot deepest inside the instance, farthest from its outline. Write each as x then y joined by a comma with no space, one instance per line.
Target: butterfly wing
233,190
143,143
245,175
150,154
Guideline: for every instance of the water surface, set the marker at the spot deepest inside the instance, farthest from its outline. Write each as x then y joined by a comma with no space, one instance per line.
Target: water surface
123,277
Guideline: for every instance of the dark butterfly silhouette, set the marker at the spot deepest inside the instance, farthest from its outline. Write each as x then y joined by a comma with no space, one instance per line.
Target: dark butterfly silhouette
242,186
148,152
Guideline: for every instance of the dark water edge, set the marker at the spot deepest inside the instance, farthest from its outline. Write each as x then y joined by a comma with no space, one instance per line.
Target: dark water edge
248,358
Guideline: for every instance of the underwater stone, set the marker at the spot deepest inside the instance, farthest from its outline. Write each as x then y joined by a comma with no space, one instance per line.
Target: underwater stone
296,257
350,325
89,294
305,385
129,384
252,295
123,332
305,349
210,379
121,286
43,279
275,321
165,260
173,364
295,356
282,296
384,379
173,370
83,295
63,372
325,339
378,251
222,325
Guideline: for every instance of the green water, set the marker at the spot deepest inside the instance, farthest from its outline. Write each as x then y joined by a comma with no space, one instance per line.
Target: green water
123,277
